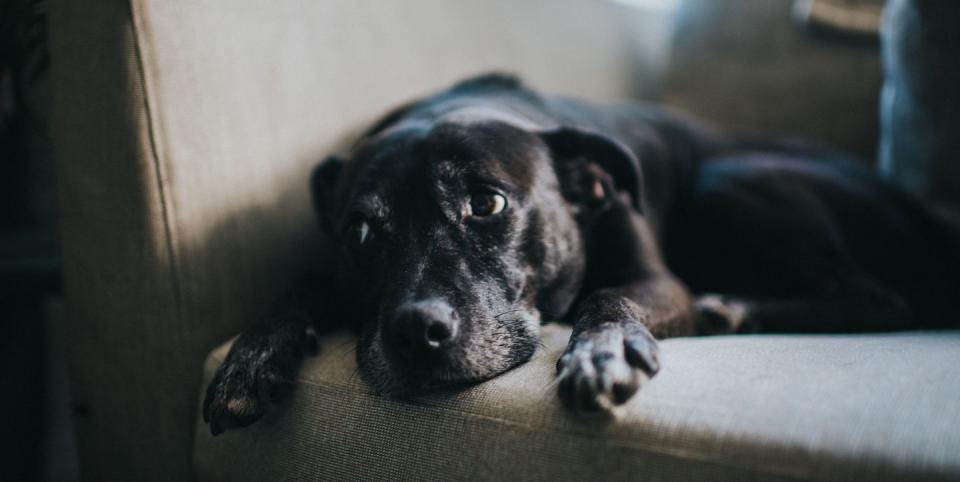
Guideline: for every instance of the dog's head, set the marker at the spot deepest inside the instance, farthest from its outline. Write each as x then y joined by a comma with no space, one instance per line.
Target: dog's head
457,233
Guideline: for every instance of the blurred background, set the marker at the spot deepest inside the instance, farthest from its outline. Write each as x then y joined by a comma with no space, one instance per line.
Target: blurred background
807,68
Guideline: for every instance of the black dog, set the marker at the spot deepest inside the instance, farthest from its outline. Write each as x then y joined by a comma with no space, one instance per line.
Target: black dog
464,219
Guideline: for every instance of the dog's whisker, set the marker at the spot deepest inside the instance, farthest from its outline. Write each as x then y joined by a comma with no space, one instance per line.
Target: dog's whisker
497,316
551,387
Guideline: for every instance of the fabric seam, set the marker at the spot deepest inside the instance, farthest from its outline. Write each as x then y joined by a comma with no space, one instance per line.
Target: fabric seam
158,171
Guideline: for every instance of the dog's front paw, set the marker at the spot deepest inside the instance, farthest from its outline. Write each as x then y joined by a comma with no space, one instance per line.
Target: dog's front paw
605,365
253,375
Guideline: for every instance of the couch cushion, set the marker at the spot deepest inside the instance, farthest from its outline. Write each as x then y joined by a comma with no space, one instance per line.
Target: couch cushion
736,408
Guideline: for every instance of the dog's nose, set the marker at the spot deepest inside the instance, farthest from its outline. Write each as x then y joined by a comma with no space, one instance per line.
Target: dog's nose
424,327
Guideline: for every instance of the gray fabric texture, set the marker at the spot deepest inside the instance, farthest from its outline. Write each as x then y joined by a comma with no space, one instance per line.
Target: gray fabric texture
849,407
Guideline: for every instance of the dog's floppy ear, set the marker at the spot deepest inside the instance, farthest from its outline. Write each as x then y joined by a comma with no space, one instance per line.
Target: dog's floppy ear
323,184
593,167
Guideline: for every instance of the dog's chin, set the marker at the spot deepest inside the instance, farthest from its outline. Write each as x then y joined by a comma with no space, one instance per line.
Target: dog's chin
405,383
401,380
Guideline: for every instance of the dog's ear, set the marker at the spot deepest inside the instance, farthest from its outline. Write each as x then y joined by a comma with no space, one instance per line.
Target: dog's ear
323,184
593,167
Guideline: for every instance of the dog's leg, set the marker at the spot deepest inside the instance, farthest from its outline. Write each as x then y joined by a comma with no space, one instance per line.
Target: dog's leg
857,305
613,348
262,363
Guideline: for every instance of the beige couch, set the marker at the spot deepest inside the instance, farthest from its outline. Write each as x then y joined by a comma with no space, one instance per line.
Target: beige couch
184,133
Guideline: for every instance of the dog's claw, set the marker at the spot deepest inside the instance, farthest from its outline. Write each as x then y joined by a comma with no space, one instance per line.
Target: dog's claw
642,353
605,365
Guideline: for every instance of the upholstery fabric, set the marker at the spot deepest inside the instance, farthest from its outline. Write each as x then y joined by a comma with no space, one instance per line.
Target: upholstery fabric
850,407
184,135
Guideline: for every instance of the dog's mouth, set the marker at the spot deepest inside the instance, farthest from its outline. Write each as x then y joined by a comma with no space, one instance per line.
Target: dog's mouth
450,376
473,362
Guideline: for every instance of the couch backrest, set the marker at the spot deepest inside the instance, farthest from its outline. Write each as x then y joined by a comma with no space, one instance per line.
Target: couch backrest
184,134
748,65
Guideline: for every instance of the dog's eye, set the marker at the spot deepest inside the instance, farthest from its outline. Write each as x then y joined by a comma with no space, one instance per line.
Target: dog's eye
486,204
360,233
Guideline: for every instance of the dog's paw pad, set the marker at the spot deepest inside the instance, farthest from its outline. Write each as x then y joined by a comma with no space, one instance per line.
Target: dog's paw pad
605,366
231,402
243,407
240,391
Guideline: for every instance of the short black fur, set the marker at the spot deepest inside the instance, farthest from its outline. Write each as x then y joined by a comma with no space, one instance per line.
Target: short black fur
463,220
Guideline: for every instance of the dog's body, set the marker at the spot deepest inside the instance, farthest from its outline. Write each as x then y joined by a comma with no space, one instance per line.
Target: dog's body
465,218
